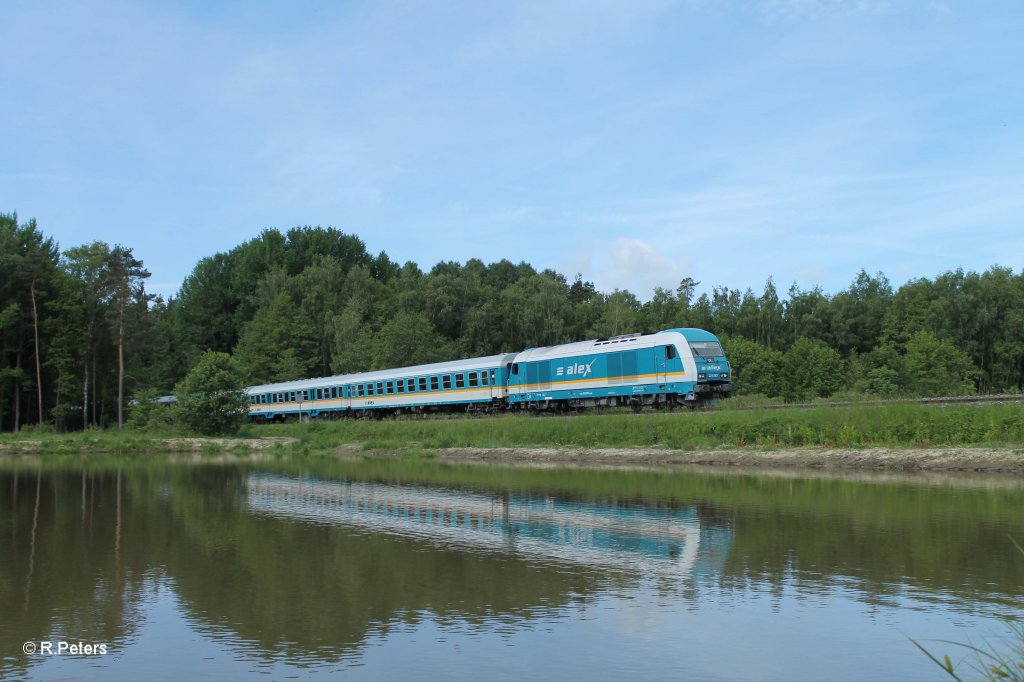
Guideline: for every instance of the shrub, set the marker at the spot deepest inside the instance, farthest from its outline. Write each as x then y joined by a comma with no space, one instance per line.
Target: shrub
210,398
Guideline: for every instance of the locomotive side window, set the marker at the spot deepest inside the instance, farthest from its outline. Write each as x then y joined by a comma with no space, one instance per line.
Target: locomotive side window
670,352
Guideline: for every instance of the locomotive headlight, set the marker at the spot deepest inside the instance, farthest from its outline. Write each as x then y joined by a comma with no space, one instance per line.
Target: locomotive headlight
725,375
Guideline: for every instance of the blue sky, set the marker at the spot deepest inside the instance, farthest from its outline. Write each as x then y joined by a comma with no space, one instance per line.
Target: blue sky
634,142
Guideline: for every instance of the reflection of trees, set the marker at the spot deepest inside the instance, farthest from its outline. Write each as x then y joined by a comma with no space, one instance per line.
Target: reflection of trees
61,571
888,537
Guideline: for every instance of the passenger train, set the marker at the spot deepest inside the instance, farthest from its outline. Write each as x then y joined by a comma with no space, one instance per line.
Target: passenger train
668,368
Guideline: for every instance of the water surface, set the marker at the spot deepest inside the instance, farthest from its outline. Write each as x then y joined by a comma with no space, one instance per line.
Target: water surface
385,570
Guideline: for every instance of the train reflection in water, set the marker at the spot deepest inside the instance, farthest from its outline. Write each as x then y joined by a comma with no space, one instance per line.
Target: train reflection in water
651,541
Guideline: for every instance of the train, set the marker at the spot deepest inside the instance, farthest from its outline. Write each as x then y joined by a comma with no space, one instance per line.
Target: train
675,367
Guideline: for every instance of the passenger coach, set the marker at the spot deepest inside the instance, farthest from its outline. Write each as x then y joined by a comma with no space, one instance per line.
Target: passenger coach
463,385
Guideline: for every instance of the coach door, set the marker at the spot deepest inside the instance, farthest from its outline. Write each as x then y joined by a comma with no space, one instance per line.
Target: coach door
662,355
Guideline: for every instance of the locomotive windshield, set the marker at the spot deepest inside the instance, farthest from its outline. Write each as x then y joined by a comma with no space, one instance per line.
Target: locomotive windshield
706,349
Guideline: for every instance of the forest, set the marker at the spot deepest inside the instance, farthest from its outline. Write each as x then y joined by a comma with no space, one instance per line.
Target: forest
80,337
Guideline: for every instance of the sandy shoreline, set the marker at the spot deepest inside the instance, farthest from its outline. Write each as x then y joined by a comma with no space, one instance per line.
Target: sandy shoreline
952,459
989,460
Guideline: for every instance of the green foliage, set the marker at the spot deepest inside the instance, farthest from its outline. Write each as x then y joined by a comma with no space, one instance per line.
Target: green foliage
811,369
146,414
210,398
410,339
937,367
755,368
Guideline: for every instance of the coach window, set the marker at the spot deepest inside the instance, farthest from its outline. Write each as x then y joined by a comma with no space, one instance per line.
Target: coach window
492,377
474,381
389,387
423,384
369,389
433,383
447,381
400,386
483,374
670,352
380,388
460,380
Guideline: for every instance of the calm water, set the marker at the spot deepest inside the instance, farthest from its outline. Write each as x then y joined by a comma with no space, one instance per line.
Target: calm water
402,570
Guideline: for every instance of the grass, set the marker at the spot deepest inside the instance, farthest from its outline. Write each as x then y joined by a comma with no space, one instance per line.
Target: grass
857,426
853,426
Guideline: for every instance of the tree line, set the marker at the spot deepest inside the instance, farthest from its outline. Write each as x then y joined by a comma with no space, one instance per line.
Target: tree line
80,336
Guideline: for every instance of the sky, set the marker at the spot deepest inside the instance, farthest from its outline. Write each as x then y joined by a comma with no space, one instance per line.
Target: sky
635,142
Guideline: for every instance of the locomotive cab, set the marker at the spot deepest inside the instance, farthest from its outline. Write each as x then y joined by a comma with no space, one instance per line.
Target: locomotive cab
714,375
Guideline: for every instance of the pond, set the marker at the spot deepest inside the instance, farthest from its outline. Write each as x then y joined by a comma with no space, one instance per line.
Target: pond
121,569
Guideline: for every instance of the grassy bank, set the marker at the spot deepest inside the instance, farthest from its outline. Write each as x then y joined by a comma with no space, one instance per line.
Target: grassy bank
858,426
900,425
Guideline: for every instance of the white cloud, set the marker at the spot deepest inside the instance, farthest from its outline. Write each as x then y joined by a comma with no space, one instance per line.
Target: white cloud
629,263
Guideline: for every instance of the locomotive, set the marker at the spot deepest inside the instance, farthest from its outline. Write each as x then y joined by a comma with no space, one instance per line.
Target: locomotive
674,367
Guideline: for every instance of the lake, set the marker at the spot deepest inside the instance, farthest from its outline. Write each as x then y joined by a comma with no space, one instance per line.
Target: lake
417,570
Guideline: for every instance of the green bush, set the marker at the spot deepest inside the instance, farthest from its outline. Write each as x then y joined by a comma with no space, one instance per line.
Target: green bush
210,398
